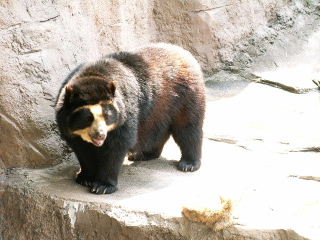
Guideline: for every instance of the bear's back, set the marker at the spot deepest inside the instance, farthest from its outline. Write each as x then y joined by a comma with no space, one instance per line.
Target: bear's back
168,60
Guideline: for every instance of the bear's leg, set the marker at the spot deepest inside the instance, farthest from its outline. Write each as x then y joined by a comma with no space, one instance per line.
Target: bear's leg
108,167
109,159
189,139
84,178
83,152
150,147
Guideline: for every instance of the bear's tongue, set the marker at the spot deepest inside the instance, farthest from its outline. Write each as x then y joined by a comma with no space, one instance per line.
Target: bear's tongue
97,142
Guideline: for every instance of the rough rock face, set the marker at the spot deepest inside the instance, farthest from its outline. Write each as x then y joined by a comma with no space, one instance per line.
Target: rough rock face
211,29
42,41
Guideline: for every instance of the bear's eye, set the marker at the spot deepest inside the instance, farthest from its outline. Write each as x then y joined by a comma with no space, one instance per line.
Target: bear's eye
80,119
109,113
106,110
90,118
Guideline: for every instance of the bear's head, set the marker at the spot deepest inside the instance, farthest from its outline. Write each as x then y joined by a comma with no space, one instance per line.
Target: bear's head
93,112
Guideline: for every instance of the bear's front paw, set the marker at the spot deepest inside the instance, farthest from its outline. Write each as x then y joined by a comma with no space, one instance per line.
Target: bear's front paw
186,166
100,188
84,180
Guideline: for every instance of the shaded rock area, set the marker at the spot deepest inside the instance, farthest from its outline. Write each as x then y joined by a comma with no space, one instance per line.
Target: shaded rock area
261,144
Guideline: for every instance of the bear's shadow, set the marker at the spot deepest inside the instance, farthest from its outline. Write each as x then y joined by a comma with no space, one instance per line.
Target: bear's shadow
135,178
145,176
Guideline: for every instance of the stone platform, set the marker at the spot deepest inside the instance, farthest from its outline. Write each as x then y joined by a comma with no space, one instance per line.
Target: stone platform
260,149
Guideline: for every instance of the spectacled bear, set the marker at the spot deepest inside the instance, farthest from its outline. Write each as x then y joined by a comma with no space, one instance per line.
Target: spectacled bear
130,103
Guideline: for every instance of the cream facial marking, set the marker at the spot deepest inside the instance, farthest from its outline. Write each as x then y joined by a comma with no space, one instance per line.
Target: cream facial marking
84,134
97,132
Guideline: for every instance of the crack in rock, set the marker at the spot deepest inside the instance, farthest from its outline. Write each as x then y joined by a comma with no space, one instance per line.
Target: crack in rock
212,8
306,177
30,52
286,87
49,19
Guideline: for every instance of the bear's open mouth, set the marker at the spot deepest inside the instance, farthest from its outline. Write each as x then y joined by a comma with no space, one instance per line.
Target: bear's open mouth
97,142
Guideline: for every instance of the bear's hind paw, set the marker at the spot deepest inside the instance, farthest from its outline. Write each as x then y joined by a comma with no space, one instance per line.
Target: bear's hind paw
185,166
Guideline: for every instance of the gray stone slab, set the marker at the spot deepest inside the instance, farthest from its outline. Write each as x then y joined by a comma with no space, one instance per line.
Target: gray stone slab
245,165
268,117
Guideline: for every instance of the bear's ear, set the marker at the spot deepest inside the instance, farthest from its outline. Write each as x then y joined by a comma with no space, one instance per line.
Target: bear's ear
69,93
69,90
112,88
64,97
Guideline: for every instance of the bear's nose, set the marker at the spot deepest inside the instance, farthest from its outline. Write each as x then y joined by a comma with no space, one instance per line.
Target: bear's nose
100,135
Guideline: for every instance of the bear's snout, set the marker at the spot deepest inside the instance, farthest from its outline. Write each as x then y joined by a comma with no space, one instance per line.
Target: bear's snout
99,135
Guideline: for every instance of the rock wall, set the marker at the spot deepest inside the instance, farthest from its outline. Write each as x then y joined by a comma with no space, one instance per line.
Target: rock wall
41,41
211,29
